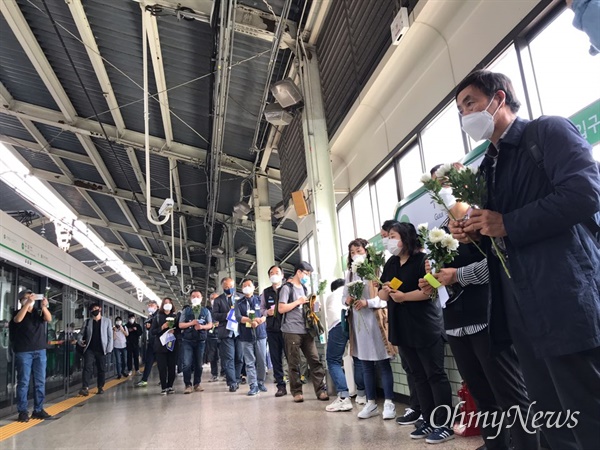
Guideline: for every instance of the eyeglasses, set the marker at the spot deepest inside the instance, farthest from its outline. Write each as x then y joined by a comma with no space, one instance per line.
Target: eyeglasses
306,272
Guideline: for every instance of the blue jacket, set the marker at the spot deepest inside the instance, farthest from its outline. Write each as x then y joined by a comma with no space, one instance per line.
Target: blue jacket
241,310
554,259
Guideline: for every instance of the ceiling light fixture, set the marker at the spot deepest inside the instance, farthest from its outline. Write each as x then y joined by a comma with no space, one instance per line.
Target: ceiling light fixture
18,177
286,92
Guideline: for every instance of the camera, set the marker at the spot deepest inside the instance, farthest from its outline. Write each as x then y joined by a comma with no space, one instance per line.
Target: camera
173,270
167,207
38,297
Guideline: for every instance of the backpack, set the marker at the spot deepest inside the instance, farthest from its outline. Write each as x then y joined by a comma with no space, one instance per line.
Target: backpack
530,141
291,286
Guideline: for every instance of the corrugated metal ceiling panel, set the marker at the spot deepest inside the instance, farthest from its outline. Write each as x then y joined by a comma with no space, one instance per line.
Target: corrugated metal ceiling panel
18,74
110,208
11,201
118,32
38,159
11,126
45,33
117,162
187,52
57,138
106,234
75,199
293,159
355,37
132,240
84,171
159,174
193,185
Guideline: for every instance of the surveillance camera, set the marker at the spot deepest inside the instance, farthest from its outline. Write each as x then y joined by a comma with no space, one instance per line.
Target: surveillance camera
173,270
167,207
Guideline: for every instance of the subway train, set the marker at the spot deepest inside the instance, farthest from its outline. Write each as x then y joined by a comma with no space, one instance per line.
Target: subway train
28,261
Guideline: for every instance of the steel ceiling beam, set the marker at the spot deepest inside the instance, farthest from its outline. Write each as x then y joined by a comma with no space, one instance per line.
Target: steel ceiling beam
159,72
91,128
122,194
91,47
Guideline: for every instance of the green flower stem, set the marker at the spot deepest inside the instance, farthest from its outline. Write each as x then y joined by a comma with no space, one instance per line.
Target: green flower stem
500,257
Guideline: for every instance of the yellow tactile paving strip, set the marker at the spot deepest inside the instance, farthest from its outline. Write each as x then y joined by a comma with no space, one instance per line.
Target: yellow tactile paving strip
14,428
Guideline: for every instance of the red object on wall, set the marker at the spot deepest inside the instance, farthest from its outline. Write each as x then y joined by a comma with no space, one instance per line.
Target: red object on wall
466,427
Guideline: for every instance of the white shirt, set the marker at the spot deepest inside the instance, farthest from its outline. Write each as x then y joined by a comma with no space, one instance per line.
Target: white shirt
333,308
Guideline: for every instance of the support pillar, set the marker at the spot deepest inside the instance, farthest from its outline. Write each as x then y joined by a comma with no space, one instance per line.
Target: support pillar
320,175
265,254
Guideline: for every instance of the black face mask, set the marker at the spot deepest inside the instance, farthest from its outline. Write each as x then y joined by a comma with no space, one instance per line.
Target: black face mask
95,313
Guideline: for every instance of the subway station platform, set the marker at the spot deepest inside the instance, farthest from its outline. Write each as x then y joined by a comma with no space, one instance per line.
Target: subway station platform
126,417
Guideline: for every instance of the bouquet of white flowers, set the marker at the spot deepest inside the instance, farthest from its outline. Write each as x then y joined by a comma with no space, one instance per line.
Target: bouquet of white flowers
469,186
442,248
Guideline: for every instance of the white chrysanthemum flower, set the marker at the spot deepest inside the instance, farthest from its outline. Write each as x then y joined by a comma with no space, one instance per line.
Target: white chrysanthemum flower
425,178
449,242
443,170
423,227
355,265
352,283
436,235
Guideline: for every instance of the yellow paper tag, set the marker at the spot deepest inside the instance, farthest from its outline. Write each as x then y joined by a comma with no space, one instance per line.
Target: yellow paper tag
432,281
395,283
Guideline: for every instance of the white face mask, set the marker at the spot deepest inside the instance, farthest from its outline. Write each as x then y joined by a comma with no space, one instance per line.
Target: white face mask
131,320
275,279
392,247
384,241
151,310
118,322
248,290
480,125
196,301
167,307
359,259
447,197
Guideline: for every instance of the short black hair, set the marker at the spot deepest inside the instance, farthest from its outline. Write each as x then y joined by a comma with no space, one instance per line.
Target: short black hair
95,304
434,169
130,315
304,266
489,83
408,236
195,290
274,266
247,279
337,284
385,226
118,318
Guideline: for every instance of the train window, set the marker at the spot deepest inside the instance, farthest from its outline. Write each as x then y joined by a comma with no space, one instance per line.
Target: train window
346,224
364,213
566,74
386,190
411,170
442,139
508,64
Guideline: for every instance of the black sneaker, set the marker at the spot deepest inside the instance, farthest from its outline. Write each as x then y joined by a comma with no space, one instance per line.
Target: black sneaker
85,392
410,416
40,415
100,391
23,417
281,391
233,388
422,432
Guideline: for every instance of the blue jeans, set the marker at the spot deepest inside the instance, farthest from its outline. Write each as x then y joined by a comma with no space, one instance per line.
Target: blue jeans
387,378
193,356
120,361
336,346
255,360
28,362
230,351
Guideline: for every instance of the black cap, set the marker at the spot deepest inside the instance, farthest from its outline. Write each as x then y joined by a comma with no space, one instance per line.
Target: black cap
24,292
304,266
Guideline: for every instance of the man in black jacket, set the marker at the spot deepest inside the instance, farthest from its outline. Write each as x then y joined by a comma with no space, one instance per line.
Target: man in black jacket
230,349
543,214
133,344
268,304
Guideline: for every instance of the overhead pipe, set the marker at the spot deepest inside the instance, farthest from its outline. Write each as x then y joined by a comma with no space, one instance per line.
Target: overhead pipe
147,130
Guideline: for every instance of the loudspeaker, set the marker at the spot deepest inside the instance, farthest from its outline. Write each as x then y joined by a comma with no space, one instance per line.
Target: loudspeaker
300,204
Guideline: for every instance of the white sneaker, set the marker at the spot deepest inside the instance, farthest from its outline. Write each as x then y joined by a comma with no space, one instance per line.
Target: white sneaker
370,410
389,411
340,404
361,400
